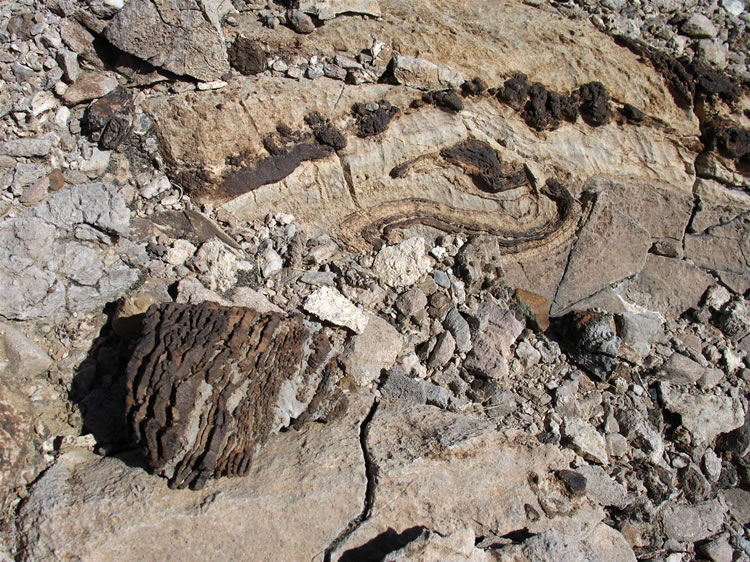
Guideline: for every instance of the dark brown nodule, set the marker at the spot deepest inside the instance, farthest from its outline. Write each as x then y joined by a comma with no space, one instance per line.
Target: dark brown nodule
207,384
247,56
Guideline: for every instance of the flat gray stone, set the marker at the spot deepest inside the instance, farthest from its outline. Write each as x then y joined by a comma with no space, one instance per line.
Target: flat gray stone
705,415
69,517
25,359
27,146
376,348
698,26
680,369
585,440
691,523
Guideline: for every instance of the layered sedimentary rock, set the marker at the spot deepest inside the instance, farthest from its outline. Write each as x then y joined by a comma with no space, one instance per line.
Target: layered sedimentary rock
207,384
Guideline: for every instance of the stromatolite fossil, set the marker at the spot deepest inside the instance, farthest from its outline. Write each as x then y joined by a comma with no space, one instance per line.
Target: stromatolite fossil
207,384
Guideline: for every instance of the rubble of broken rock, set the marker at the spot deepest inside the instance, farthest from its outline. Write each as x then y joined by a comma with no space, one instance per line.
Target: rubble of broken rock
447,297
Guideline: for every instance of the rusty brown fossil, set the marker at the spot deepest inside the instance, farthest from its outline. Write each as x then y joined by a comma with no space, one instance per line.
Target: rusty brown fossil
207,384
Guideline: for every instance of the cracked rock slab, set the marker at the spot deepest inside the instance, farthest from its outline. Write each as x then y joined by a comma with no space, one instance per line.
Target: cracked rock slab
43,272
181,36
424,457
610,247
94,508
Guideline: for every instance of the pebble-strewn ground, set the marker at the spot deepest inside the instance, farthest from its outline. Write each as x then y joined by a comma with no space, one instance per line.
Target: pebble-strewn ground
523,229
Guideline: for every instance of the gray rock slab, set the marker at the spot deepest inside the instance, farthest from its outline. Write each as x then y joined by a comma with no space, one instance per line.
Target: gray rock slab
43,272
24,358
425,459
423,74
705,415
27,146
375,349
176,35
659,208
668,286
738,502
722,248
16,438
585,440
457,325
398,385
680,369
610,247
331,306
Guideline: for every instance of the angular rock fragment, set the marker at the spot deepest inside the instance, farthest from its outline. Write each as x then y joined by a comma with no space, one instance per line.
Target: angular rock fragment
668,285
586,440
680,369
300,22
610,247
375,349
398,385
402,264
691,523
180,36
110,118
497,331
331,306
207,384
423,74
705,416
89,86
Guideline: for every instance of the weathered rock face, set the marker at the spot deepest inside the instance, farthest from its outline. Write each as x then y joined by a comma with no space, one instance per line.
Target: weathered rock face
231,377
16,432
412,450
49,258
266,513
181,36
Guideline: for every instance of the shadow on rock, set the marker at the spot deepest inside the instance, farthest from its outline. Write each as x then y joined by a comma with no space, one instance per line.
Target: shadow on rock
384,543
98,388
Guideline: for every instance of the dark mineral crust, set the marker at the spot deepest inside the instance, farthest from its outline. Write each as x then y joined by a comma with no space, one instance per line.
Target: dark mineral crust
595,107
446,99
731,141
207,384
373,118
481,162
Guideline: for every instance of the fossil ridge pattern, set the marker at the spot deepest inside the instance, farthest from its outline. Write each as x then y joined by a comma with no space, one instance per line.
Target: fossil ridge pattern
207,384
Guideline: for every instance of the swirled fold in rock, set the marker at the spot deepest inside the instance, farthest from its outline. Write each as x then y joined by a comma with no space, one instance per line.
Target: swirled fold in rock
207,384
